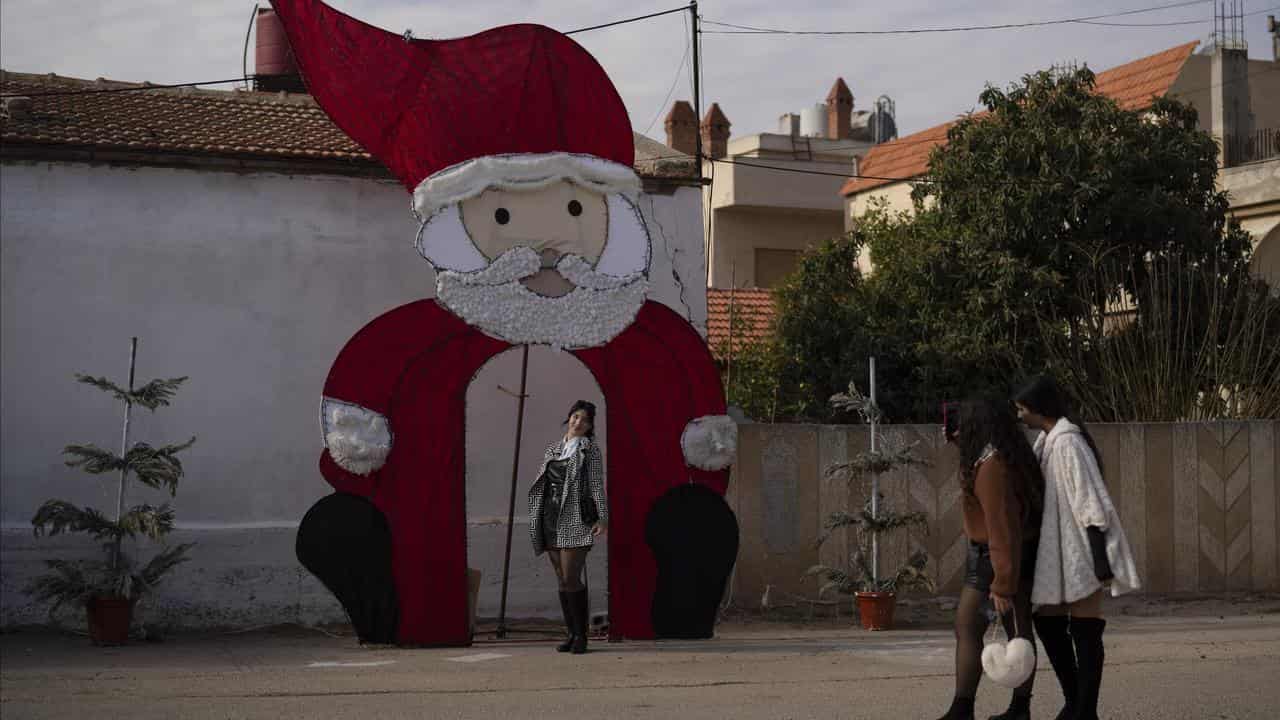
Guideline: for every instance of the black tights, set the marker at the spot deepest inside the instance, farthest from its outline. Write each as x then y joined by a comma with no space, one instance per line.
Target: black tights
971,625
568,564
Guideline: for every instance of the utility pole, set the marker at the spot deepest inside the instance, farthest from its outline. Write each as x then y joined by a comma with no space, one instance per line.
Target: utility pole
697,86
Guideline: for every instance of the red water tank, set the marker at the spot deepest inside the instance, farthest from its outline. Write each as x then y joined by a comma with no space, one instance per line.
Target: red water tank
273,65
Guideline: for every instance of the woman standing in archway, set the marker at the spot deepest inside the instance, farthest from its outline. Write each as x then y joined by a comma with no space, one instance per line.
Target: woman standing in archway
567,511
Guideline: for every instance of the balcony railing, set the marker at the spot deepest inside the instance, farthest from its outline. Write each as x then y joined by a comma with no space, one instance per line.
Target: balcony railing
1257,146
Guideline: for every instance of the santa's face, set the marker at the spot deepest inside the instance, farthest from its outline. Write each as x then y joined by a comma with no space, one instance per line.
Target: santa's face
558,265
555,221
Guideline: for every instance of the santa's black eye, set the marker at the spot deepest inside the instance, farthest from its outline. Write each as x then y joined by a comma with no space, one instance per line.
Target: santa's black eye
575,208
502,216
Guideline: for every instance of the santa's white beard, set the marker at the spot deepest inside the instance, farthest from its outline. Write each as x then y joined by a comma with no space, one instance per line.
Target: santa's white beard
494,301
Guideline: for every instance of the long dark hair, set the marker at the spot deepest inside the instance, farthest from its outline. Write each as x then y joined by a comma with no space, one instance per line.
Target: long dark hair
1043,396
989,421
590,409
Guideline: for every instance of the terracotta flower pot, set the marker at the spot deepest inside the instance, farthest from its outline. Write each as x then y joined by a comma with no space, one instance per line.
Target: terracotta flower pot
876,609
109,619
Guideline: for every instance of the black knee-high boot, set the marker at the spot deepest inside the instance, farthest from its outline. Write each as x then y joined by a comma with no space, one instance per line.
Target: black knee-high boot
1019,709
1054,638
961,709
1087,634
578,605
565,610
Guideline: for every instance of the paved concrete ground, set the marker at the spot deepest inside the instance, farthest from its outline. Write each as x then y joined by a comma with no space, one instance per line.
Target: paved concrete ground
1167,667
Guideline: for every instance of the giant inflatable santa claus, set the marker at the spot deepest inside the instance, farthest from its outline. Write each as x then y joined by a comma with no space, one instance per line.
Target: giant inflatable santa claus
518,153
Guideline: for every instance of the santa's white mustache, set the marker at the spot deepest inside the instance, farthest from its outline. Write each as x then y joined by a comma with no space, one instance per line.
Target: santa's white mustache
495,301
519,263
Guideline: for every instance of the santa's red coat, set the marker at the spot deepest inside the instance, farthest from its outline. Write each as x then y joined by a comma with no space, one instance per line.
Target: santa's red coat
413,365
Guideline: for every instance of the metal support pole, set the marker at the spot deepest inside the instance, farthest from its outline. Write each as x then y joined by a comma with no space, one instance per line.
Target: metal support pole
875,479
515,478
124,446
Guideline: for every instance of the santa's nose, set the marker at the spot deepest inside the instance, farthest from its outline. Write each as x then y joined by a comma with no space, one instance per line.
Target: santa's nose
549,258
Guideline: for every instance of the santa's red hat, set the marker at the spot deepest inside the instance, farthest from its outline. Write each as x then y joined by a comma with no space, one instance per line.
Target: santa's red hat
518,106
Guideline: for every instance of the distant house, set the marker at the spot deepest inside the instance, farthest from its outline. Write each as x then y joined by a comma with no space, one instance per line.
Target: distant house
770,196
1238,100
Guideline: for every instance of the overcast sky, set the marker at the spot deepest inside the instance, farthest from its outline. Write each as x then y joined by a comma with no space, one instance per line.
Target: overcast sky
932,77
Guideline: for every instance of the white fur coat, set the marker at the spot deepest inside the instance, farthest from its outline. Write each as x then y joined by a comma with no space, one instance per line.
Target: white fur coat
1075,498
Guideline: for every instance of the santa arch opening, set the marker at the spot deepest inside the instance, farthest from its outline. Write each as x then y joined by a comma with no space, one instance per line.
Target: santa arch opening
518,155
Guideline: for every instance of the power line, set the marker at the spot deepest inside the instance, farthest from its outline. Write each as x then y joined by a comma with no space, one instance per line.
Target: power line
245,79
683,8
942,140
846,176
679,72
749,30
1171,24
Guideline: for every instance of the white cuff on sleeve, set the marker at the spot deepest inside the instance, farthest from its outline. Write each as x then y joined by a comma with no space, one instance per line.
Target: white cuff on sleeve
710,442
358,439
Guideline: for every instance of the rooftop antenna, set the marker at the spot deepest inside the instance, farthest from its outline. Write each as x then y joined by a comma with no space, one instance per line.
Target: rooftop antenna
1228,25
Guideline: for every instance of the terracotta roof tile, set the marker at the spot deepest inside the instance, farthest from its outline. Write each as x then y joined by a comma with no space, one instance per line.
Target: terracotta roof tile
905,157
215,122
1135,84
752,312
180,120
1132,86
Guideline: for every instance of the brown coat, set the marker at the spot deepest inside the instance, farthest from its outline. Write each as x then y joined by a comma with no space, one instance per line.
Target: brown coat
993,515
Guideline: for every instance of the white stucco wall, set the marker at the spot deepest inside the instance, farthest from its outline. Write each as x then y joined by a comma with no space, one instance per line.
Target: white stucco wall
249,283
1254,190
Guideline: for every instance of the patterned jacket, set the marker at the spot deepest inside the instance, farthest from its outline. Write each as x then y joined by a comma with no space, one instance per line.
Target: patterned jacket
1075,497
585,468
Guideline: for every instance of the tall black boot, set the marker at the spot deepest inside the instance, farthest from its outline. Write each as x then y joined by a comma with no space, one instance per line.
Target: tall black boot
578,608
1019,709
568,623
1054,638
961,709
1087,634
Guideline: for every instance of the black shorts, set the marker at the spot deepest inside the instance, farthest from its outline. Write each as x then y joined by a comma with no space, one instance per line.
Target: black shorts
978,573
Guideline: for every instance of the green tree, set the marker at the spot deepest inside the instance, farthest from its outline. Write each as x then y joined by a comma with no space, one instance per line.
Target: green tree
1064,180
820,329
1049,185
117,574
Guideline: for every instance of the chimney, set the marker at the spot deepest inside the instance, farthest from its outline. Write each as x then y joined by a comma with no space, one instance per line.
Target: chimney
715,133
274,68
682,128
839,111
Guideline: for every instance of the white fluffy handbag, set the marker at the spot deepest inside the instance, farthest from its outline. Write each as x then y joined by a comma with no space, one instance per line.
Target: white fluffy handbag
1009,664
